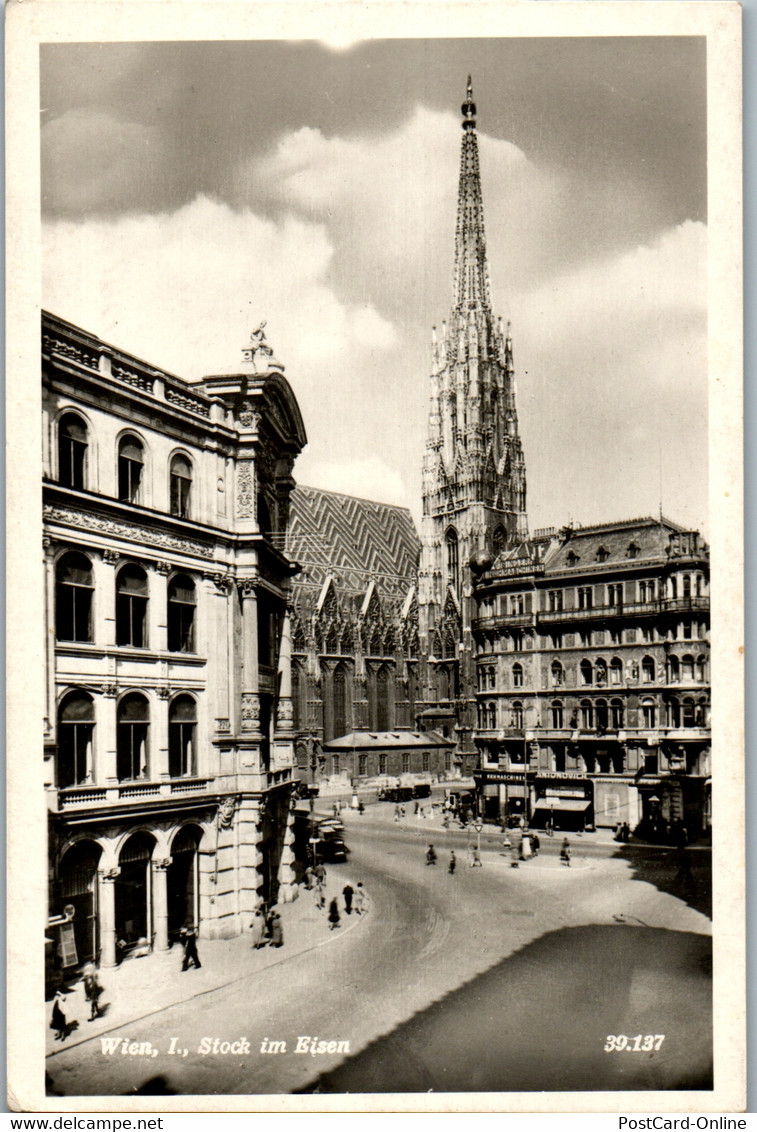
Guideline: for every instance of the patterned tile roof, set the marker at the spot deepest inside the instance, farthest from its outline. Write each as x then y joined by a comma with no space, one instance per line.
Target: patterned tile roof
354,539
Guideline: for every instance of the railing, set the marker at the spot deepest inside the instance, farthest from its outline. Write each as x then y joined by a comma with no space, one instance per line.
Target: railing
86,796
195,786
148,790
71,797
133,377
626,609
187,401
496,621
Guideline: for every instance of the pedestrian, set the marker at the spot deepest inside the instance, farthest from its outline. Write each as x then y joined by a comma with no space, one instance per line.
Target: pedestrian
258,930
348,892
417,807
535,843
396,813
402,811
334,920
565,852
360,807
525,847
452,863
188,936
58,1021
475,859
361,899
336,809
92,991
431,855
275,928
320,899
320,873
445,821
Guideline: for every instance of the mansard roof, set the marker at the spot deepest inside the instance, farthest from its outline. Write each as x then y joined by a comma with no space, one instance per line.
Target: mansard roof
609,544
354,540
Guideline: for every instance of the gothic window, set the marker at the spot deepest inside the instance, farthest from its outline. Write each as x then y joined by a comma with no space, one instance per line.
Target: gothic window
616,671
452,558
492,677
376,647
331,643
516,715
492,720
296,691
132,729
647,670
389,642
131,606
130,469
601,716
449,644
382,699
181,614
76,724
181,486
299,643
556,709
340,702
587,674
601,673
72,451
182,725
557,673
517,676
74,591
616,714
587,715
499,540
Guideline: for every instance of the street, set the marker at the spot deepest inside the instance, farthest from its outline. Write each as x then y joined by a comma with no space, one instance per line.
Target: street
493,978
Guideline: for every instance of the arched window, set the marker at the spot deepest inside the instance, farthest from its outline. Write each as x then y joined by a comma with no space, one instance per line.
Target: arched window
687,669
616,714
517,676
72,451
601,672
701,669
587,675
674,712
649,713
131,606
181,486
182,727
587,715
181,614
340,702
674,671
452,558
516,717
382,699
558,674
687,585
130,468
616,671
132,731
73,604
76,724
602,717
647,670
673,586
492,678
688,716
557,714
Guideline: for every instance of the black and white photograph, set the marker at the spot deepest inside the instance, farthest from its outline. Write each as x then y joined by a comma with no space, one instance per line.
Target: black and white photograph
375,395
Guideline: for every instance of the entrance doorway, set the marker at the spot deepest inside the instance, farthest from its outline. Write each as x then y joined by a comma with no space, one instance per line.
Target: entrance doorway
134,892
78,887
182,881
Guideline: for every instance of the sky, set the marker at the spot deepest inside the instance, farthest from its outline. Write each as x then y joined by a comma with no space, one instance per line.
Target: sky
190,190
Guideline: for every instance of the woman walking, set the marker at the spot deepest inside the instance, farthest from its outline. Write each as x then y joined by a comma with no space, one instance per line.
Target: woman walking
257,929
334,920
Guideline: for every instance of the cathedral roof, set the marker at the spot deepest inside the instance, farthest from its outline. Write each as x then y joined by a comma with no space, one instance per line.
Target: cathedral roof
355,540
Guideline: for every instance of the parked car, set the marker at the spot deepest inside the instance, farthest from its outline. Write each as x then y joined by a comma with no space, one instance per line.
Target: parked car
326,839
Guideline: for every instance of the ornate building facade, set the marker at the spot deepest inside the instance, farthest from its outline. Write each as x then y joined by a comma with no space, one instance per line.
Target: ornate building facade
474,476
169,743
593,679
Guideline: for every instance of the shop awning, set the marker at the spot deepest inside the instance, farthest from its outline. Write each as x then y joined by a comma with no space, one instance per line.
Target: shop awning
577,804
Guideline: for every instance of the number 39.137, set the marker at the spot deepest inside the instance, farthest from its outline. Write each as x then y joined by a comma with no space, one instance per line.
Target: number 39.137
641,1043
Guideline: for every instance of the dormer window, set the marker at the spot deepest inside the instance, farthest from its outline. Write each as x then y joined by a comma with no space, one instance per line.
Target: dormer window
603,554
633,550
573,558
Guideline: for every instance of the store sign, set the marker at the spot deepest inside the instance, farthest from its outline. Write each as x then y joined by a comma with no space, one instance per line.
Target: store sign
555,795
499,776
68,953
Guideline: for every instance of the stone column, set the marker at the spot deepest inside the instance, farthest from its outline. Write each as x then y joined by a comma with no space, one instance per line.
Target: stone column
157,616
51,723
287,887
158,770
105,737
160,902
106,900
250,674
284,709
105,599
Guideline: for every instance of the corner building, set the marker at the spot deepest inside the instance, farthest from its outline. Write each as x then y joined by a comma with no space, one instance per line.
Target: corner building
593,679
168,729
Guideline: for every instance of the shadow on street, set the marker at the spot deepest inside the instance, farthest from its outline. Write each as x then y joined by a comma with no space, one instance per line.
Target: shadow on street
683,873
540,1020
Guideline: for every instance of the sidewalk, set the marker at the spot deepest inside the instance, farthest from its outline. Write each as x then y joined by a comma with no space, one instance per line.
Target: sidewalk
140,987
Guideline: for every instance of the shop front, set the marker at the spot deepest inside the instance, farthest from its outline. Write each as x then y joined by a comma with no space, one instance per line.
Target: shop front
504,796
563,803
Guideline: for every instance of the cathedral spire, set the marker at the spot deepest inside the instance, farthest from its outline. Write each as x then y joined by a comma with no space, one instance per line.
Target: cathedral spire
471,279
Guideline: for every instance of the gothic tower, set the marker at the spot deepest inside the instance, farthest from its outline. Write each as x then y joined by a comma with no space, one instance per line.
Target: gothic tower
474,475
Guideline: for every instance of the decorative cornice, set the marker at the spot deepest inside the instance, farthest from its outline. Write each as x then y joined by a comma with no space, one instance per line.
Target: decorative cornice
134,532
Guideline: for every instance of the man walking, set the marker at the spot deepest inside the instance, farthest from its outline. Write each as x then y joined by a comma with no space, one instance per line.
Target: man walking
347,893
189,939
452,863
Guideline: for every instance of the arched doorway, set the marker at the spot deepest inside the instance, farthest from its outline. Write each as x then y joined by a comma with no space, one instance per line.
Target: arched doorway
134,891
183,880
77,886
